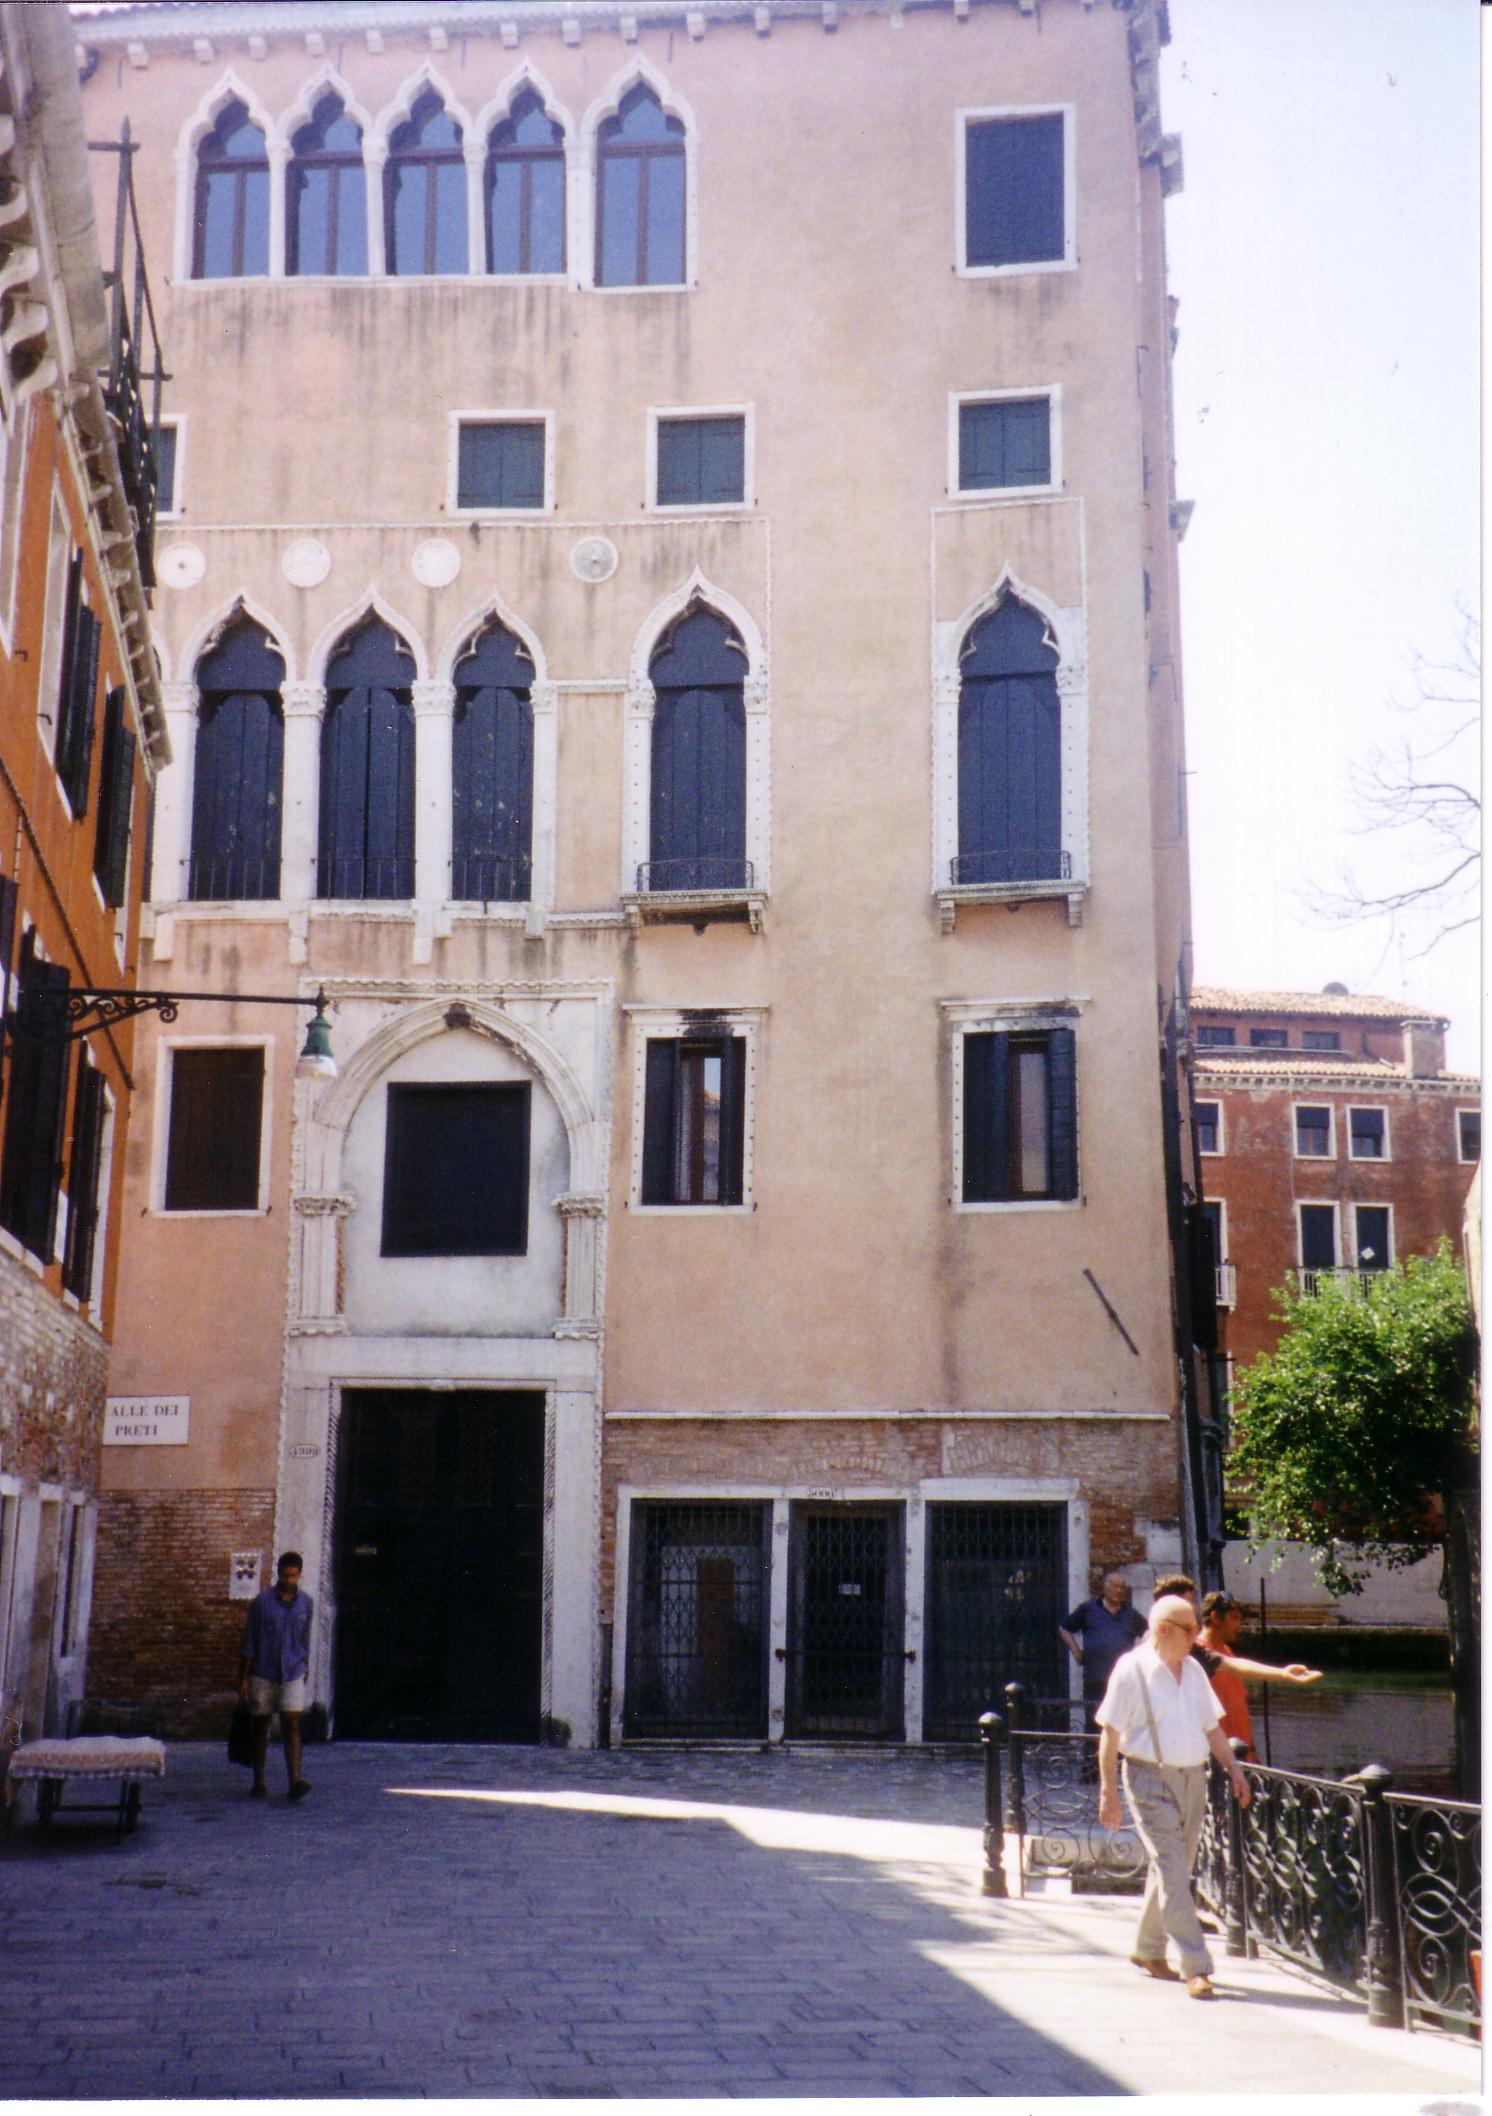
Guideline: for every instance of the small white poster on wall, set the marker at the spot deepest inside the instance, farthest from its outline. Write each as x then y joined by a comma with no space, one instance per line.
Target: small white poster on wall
147,1421
243,1575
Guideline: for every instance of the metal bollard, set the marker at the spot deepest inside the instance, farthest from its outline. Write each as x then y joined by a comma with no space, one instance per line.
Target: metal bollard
992,1881
1235,1900
1015,1720
1385,1976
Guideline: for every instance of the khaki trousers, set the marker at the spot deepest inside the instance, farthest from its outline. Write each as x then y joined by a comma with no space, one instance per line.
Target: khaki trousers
1169,1804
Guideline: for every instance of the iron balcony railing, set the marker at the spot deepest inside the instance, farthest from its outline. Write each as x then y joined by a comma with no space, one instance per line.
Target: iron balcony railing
232,877
135,374
491,877
1315,1282
698,874
1010,863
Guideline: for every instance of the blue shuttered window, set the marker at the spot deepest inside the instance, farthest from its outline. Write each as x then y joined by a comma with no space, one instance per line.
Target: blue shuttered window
1020,1115
1009,752
36,1102
1015,191
367,768
702,462
1005,442
492,771
238,769
500,463
456,1170
697,837
116,795
83,1181
76,687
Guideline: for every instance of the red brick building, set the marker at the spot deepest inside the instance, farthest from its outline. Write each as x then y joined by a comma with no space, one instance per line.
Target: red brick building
81,737
1331,1139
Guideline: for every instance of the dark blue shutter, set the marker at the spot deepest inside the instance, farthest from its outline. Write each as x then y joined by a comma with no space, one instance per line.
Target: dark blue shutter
1009,752
1014,191
492,771
238,769
116,799
31,1162
659,1117
1062,1114
456,1170
698,792
986,1118
367,769
733,1121
75,690
82,1181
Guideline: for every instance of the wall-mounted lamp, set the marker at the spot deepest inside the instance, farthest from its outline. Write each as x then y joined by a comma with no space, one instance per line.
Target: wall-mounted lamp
72,1011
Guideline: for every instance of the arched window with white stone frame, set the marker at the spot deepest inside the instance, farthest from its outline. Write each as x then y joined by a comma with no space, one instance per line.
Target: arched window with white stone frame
634,188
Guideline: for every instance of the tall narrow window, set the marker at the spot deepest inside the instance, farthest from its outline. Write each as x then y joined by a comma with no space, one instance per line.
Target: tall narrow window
236,782
525,191
492,771
1318,1237
116,798
694,1106
1374,1244
1207,1117
1020,1115
1368,1132
367,768
424,193
1009,752
697,838
77,684
213,1135
36,1097
230,236
326,227
83,1181
1015,203
1313,1130
640,196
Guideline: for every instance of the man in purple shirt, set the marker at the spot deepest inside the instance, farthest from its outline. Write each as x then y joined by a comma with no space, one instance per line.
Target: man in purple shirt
274,1658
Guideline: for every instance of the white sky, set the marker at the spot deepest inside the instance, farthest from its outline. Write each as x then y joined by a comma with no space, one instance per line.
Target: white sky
1325,250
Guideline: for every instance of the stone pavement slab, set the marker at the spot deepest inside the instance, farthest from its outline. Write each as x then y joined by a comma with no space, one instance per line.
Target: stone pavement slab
513,1922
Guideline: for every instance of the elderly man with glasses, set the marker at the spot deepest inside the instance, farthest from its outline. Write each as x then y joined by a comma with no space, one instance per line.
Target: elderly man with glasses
1160,1716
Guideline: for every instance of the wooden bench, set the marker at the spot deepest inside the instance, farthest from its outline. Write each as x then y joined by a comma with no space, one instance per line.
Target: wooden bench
65,1760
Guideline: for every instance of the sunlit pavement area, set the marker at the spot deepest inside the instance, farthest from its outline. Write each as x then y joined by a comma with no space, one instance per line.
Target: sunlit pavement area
523,1922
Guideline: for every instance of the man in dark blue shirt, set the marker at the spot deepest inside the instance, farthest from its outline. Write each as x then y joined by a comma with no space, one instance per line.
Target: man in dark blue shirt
1098,1632
274,1659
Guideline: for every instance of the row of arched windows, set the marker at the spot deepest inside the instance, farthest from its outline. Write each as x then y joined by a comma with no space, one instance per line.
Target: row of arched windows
424,205
1009,762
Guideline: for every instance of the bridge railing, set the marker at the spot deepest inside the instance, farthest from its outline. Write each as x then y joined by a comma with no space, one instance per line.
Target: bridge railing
1373,1892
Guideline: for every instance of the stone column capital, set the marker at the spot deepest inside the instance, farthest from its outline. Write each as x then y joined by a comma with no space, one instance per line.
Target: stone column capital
179,697
303,701
433,697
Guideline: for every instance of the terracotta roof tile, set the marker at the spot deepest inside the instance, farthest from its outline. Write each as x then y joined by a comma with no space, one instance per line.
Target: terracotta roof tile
1351,1006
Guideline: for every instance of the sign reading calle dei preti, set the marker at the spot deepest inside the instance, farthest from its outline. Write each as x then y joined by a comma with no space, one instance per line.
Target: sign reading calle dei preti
147,1421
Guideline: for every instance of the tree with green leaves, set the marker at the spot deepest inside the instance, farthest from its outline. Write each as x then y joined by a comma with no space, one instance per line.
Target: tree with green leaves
1357,1436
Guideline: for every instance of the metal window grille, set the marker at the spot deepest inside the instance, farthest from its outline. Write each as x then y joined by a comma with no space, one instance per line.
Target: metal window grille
697,1620
996,1592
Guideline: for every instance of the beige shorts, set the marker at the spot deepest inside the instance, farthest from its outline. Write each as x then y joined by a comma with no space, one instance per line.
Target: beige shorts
266,1697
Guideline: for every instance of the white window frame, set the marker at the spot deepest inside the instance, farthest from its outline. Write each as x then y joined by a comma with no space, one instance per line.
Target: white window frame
1466,1109
1331,1131
54,609
15,438
1372,1160
957,399
1331,1205
659,414
494,417
1373,1205
584,167
654,1024
1008,1017
178,425
165,1068
962,119
1213,1153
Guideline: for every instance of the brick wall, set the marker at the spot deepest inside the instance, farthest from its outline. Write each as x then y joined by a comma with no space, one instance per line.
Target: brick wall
53,1369
183,1663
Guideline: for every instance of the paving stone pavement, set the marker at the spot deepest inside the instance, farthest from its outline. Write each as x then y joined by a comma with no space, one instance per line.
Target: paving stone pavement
515,1922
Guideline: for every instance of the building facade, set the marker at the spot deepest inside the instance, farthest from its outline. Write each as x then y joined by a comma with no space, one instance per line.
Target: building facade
688,662
81,738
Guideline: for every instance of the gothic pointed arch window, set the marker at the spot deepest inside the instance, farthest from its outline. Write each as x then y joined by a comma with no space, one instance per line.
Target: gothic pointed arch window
492,771
238,767
1009,751
367,767
326,226
230,222
524,191
640,195
697,811
424,193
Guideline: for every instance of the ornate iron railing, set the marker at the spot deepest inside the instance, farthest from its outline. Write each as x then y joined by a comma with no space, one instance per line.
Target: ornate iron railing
487,876
1437,1864
1010,863
1052,1799
132,384
699,873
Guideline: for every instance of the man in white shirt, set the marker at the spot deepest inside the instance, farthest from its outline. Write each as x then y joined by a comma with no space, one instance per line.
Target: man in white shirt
1160,1715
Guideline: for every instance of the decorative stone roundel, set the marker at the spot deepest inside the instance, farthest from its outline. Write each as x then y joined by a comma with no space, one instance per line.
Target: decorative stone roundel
594,558
436,562
306,563
180,565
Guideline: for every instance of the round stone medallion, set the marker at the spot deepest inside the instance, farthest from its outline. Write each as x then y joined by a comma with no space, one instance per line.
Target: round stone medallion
306,563
594,558
180,565
435,563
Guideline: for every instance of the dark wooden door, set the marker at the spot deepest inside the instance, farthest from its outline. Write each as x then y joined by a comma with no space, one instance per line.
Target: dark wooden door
439,1565
845,1653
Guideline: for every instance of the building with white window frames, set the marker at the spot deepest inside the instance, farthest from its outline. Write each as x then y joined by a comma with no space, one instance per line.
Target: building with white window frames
689,665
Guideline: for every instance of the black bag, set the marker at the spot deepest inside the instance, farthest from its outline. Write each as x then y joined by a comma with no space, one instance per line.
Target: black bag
241,1737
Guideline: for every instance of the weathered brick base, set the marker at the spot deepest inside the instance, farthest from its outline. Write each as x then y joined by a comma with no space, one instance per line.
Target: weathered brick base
165,1633
53,1369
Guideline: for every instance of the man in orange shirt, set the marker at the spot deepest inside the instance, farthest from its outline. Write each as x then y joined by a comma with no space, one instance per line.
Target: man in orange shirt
1222,1620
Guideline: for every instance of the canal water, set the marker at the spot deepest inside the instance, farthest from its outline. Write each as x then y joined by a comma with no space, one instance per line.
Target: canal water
1401,1719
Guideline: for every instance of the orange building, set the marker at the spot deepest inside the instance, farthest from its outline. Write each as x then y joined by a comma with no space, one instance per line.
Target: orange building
81,737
